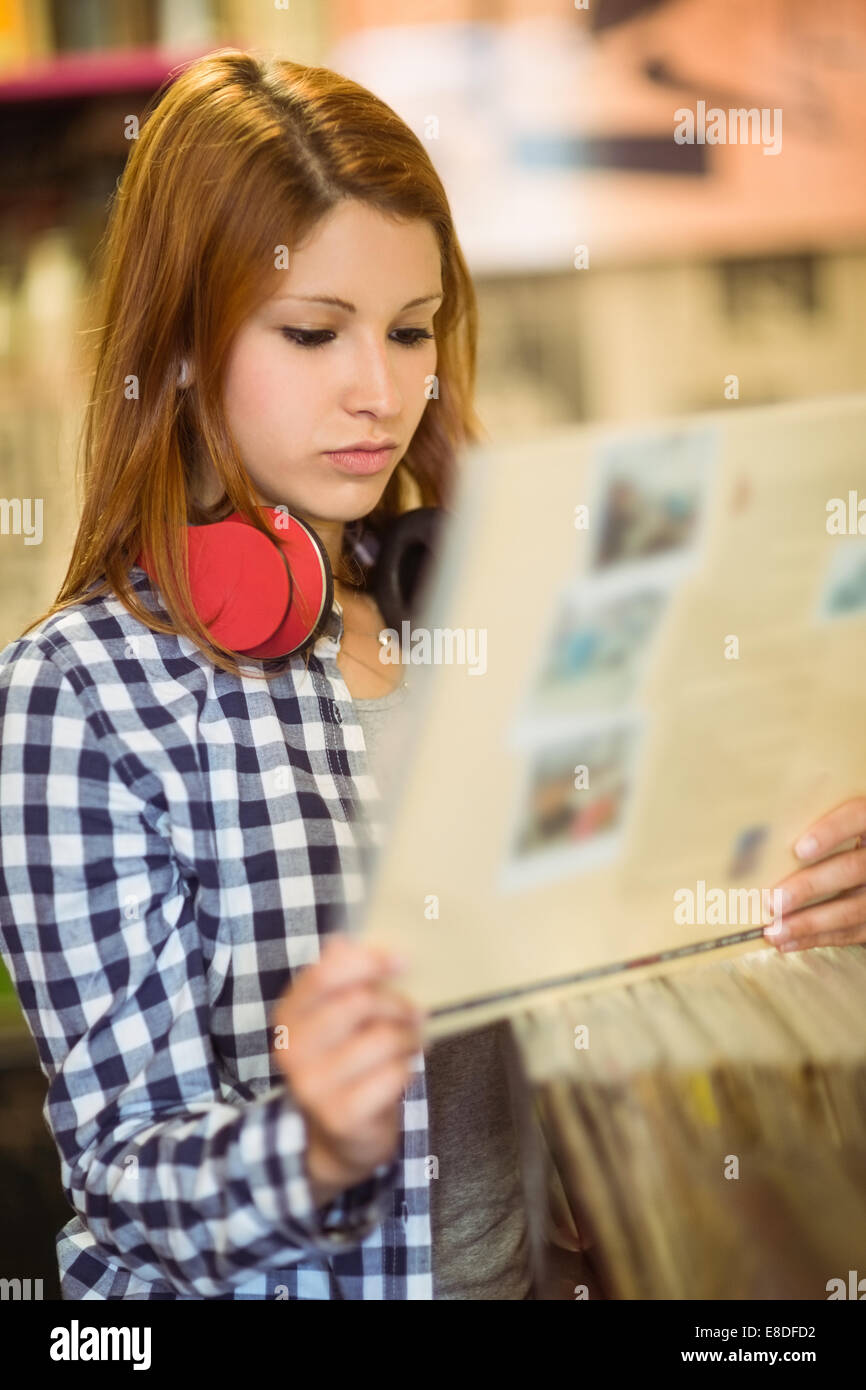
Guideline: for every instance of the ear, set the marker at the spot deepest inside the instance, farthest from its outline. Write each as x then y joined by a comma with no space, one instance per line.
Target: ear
184,377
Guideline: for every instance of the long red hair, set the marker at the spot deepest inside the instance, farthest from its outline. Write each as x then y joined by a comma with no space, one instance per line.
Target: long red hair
238,155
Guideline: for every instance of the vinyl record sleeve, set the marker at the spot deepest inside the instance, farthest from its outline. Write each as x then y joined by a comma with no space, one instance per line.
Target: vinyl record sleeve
637,678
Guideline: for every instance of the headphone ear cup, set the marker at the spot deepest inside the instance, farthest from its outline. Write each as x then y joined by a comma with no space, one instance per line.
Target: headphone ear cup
311,595
405,558
239,582
258,597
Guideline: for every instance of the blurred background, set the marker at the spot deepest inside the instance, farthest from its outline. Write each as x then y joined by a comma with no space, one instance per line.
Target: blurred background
620,275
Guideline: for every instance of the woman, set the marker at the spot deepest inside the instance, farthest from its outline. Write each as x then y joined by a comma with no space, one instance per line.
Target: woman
237,1091
236,1088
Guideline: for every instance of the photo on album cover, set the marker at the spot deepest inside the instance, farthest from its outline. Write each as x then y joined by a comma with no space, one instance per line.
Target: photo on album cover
593,654
571,804
746,852
843,593
650,499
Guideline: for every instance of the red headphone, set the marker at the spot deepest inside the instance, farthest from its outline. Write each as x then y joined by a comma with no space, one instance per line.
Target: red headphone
264,597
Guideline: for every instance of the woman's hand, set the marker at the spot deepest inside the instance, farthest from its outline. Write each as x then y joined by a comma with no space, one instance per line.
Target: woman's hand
349,1040
841,921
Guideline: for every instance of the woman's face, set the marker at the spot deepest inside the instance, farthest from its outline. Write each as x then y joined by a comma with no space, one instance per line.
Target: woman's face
289,405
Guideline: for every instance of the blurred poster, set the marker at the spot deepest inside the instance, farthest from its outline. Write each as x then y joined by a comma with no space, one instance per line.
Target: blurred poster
789,181
635,128
475,93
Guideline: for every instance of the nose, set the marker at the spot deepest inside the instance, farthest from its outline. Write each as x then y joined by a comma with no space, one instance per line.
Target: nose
373,386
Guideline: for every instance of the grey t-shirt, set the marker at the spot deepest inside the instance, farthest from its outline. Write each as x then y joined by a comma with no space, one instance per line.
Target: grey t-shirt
478,1217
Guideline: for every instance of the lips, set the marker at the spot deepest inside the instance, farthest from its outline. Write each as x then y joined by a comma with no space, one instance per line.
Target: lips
365,445
361,461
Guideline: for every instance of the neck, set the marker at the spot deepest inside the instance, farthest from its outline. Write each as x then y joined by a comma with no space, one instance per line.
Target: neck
330,533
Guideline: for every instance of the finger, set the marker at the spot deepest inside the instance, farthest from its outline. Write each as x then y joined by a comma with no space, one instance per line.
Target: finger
331,1084
855,937
378,1045
832,830
342,1014
373,1098
823,879
343,962
844,914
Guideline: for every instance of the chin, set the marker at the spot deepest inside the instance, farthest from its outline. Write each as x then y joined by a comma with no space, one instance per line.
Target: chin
343,500
356,501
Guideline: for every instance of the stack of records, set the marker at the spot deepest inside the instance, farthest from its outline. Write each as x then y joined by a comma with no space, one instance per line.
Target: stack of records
709,1128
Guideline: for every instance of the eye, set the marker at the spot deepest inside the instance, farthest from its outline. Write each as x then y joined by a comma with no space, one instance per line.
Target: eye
308,337
419,335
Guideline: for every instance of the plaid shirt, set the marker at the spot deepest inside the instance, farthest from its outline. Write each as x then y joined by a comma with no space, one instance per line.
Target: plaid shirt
175,842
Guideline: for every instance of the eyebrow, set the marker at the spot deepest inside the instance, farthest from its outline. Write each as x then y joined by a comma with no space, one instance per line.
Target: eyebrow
350,308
